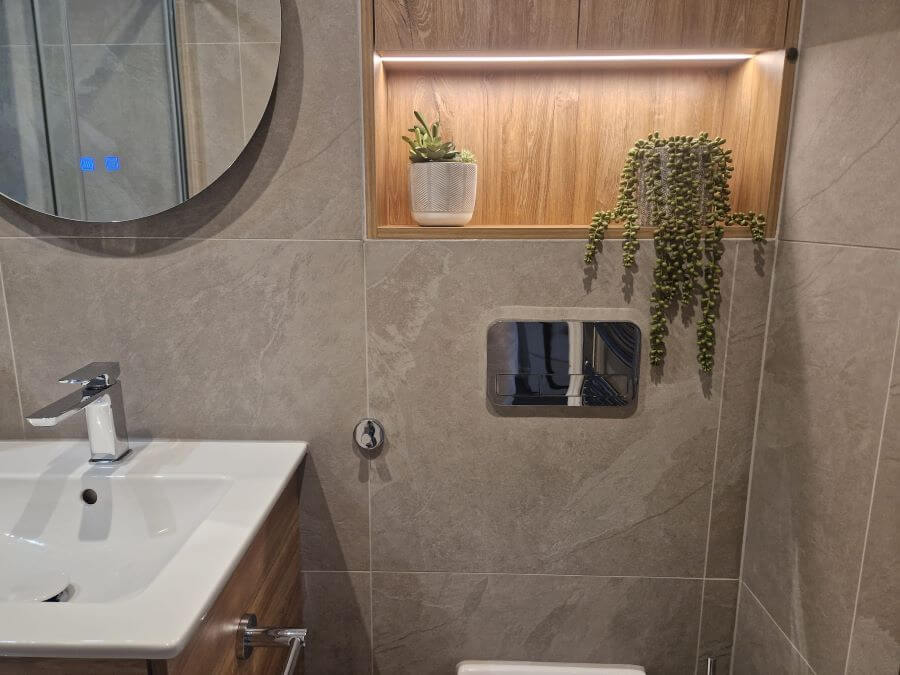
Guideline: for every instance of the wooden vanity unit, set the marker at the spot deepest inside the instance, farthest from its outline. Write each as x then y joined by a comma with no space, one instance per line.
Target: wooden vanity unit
266,582
551,135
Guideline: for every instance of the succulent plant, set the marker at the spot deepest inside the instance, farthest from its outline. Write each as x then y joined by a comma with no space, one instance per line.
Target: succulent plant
466,156
428,146
679,187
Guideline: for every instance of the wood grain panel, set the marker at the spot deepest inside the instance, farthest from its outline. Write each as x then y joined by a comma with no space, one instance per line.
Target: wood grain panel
435,25
730,24
73,667
529,120
630,24
688,24
521,232
550,144
622,107
266,583
757,109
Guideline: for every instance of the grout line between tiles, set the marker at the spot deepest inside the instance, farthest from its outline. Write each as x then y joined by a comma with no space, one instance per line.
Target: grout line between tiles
712,484
536,242
369,474
519,574
870,247
237,17
12,351
26,238
759,391
775,623
887,402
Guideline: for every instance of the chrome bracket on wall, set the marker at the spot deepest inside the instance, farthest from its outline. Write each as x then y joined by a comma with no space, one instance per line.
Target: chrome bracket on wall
250,636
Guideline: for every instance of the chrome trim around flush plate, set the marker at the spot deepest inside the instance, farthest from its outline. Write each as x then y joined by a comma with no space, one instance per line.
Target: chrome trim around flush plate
563,368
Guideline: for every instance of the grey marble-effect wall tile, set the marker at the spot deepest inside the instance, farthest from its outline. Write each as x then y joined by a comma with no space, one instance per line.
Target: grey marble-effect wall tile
831,337
124,100
760,647
24,167
461,489
840,185
827,21
336,612
10,415
717,626
207,20
875,644
16,23
746,338
217,339
94,22
301,175
259,20
427,623
65,147
213,115
259,63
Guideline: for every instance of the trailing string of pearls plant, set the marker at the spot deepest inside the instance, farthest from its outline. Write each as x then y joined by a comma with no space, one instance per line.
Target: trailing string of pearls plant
679,187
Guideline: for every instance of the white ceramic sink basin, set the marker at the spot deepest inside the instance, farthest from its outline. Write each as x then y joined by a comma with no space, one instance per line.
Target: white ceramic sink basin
139,566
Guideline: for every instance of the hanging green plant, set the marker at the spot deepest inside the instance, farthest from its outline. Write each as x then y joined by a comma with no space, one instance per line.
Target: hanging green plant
679,187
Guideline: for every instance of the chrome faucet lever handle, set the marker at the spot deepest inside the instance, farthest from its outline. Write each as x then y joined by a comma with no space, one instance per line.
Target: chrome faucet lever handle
96,375
100,397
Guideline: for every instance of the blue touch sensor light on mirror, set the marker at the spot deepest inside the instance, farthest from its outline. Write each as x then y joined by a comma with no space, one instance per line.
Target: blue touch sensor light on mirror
112,162
87,163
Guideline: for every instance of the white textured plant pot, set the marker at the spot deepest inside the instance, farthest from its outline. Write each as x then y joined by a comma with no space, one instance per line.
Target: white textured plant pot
442,193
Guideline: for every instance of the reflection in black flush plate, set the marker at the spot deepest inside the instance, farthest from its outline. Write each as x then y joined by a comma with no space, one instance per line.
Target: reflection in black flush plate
563,364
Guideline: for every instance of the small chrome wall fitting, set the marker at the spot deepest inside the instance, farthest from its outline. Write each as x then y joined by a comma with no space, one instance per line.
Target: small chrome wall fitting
368,434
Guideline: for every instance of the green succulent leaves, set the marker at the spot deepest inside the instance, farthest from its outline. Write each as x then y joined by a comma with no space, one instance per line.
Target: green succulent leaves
426,145
679,187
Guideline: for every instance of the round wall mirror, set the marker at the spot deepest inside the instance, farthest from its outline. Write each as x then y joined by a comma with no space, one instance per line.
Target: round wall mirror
116,109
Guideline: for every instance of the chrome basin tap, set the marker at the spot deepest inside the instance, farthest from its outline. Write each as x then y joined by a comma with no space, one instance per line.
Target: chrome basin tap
104,411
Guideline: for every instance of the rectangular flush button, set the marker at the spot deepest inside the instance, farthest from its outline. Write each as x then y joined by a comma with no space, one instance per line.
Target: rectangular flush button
87,164
112,162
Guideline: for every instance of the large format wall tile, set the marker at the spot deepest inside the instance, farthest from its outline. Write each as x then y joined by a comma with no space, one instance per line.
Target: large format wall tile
16,24
875,645
213,110
95,22
123,101
24,170
301,175
337,613
830,343
746,338
760,646
717,626
220,339
461,489
10,415
426,623
840,184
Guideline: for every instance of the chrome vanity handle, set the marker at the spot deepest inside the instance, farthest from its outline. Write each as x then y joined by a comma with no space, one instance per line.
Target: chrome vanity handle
249,636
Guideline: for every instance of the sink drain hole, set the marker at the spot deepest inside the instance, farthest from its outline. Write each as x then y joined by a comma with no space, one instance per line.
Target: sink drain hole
63,595
89,496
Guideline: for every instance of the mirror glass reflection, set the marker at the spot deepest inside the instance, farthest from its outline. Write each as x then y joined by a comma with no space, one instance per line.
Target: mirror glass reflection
116,109
563,363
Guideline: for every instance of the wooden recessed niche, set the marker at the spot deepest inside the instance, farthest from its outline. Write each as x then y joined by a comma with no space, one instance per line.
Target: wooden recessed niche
551,137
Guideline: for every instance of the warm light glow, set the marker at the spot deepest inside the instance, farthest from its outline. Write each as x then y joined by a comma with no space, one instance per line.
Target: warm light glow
567,58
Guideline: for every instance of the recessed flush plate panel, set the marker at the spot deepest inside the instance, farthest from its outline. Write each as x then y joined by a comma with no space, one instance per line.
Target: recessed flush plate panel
541,365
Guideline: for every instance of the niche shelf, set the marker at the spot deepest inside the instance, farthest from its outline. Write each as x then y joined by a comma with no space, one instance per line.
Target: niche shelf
551,135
